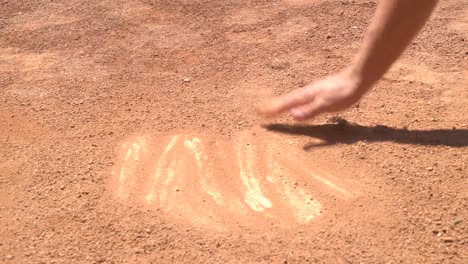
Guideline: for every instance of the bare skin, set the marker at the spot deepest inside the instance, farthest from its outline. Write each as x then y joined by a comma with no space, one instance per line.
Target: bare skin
395,24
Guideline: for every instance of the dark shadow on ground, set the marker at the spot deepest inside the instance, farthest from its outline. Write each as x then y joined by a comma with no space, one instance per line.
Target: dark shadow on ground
349,133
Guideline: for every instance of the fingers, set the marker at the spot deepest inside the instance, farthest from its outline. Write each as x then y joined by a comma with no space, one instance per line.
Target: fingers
309,111
284,103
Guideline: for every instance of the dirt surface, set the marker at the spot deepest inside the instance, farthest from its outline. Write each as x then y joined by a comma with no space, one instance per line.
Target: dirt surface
127,134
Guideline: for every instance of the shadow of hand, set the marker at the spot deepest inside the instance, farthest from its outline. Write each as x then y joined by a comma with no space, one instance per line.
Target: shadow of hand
348,133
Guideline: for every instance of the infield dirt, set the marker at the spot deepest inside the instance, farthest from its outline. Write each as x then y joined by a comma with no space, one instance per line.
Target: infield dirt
128,135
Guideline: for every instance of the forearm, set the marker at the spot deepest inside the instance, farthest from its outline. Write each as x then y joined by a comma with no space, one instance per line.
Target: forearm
394,25
392,28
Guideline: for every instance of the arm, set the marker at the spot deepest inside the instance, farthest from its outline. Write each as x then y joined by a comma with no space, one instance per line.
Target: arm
394,25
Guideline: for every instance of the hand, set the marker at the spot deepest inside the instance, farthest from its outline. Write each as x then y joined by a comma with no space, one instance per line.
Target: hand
332,94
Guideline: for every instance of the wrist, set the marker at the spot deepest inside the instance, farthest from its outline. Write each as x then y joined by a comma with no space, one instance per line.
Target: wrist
360,81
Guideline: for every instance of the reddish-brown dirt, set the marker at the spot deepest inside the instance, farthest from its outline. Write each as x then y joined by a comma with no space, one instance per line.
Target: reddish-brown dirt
128,135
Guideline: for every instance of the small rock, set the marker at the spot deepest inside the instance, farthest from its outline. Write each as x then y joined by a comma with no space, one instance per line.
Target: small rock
448,239
62,187
430,168
9,257
186,80
456,222
279,65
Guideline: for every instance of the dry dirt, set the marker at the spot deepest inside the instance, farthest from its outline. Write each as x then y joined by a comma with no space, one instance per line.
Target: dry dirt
127,135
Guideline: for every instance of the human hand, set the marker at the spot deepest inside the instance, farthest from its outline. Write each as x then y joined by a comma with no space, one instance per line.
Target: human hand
331,94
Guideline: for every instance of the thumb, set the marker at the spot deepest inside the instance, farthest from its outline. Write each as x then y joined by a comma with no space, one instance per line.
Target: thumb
284,103
309,111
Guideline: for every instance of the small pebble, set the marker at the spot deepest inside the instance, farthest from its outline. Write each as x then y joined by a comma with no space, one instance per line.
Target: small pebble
448,239
456,222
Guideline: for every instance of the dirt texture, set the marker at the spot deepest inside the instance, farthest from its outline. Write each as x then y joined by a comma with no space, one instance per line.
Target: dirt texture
128,135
